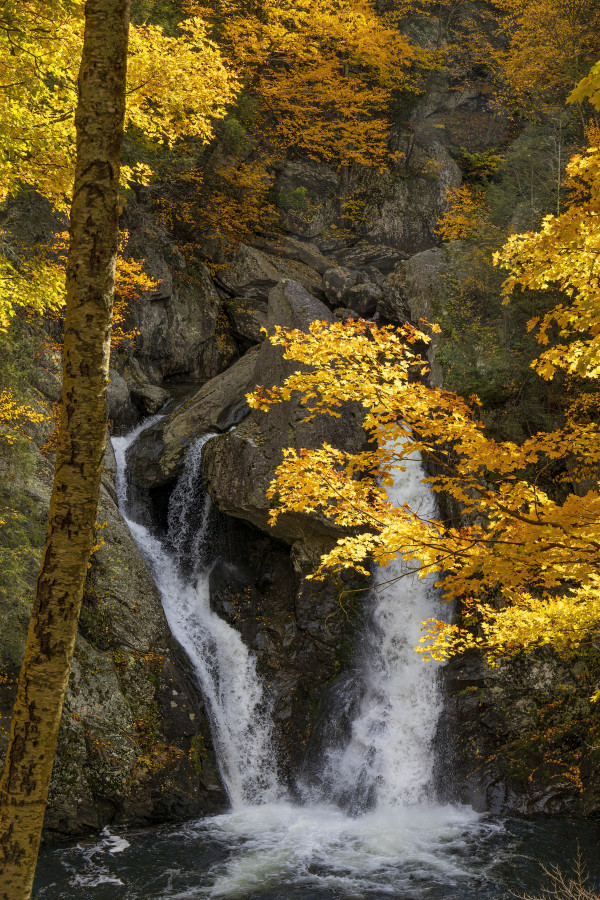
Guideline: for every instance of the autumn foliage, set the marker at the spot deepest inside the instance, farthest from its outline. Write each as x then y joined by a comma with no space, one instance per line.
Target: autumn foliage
523,557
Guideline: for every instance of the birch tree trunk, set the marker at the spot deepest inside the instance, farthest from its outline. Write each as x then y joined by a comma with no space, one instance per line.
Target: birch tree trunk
90,285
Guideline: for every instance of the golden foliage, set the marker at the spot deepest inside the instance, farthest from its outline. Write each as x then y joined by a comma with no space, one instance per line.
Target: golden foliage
564,254
15,416
465,213
323,70
527,565
549,45
40,45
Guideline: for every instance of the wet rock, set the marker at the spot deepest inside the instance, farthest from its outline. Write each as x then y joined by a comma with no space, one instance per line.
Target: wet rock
149,398
119,410
493,732
295,627
157,457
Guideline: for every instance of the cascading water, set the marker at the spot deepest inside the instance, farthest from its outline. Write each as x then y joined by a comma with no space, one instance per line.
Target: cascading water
388,760
368,826
226,670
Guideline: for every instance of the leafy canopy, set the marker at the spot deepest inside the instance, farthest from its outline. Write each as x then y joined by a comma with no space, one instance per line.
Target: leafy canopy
524,560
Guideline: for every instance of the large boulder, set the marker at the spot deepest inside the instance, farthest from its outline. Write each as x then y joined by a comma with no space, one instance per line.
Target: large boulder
248,317
239,466
253,273
338,280
157,457
362,254
301,250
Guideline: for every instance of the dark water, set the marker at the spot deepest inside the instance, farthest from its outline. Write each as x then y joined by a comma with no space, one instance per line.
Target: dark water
309,853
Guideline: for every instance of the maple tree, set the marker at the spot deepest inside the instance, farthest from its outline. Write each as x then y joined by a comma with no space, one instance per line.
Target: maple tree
548,46
525,557
323,72
522,542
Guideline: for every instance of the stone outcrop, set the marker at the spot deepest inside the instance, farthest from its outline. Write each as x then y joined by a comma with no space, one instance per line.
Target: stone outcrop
180,331
157,457
404,204
239,466
252,273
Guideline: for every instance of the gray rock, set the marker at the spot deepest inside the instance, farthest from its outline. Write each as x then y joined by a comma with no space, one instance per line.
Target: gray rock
150,398
252,273
157,457
392,304
307,193
404,206
301,250
239,466
365,254
338,281
180,331
119,411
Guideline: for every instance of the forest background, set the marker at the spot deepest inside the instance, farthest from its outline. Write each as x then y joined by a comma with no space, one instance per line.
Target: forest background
220,96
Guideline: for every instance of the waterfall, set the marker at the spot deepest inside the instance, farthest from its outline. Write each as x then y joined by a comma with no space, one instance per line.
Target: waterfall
367,824
238,710
393,697
389,756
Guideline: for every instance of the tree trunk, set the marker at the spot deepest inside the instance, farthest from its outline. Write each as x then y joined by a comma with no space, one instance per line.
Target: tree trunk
90,286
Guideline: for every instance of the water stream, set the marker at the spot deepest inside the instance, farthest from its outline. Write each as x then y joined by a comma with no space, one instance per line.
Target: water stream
180,564
368,824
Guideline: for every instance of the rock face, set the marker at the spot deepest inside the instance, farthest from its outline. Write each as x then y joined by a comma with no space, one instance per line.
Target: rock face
402,211
239,466
157,457
252,273
511,734
181,331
